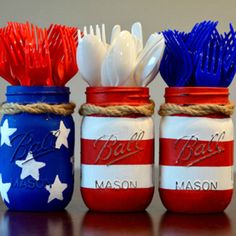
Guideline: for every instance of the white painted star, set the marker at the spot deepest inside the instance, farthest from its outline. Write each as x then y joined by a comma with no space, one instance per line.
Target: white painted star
62,136
4,188
6,132
56,189
30,167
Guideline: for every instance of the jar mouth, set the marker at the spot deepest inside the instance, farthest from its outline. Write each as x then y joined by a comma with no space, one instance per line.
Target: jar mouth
36,94
196,95
37,89
111,95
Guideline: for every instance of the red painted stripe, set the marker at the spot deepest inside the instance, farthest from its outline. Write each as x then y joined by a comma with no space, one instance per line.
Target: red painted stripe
192,201
195,153
110,152
117,199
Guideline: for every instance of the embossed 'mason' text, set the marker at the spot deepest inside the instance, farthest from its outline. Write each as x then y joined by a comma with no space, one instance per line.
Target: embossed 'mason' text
116,184
196,185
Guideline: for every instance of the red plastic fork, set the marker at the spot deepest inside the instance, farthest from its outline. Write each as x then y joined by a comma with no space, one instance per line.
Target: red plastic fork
15,58
37,58
56,52
31,56
70,64
5,70
62,45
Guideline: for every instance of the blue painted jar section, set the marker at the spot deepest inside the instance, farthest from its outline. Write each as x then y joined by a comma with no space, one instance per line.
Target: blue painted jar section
37,152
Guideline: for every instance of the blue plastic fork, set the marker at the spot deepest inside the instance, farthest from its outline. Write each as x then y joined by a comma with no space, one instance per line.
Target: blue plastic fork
183,35
229,48
200,37
227,78
179,64
199,34
208,71
229,57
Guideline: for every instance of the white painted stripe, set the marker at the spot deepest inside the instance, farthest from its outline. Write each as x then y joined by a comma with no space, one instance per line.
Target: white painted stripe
121,128
119,176
176,127
172,177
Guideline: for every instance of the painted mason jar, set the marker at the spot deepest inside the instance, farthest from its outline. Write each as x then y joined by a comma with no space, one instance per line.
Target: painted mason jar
36,152
196,152
117,151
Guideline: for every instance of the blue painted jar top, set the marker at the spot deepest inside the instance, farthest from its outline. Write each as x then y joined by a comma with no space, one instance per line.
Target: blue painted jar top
36,94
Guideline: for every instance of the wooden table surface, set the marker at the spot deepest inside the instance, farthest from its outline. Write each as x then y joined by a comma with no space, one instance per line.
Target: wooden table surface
77,220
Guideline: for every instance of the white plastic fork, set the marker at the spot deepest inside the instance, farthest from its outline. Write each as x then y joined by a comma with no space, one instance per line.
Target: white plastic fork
101,34
79,35
90,54
104,34
98,32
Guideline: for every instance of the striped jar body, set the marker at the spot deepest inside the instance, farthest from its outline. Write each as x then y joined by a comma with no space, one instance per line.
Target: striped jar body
196,154
117,154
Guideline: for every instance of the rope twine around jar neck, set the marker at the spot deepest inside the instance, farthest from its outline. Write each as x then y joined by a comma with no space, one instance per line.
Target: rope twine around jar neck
168,109
117,110
64,109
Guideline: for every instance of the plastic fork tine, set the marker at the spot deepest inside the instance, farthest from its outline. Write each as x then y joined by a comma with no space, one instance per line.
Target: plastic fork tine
91,31
74,34
85,31
216,36
53,33
104,34
39,39
199,31
16,46
220,62
213,67
50,30
5,70
12,56
229,53
22,31
207,57
79,35
204,34
98,33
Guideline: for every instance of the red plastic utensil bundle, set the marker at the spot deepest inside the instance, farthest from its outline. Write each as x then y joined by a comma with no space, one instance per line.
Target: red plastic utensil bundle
32,56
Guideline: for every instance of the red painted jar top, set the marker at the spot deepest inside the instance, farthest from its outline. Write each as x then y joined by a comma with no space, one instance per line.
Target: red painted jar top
107,96
196,95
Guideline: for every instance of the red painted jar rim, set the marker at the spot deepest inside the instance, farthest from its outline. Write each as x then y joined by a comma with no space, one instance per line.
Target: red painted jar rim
107,96
196,95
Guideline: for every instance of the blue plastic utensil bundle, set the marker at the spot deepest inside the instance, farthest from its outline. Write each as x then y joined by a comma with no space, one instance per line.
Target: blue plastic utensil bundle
202,57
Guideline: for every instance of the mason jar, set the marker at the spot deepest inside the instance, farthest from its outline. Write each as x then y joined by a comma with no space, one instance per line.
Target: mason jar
37,151
117,151
196,151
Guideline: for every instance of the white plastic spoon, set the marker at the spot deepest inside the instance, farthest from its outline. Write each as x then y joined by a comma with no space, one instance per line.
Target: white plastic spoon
119,62
148,67
90,55
115,32
136,31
